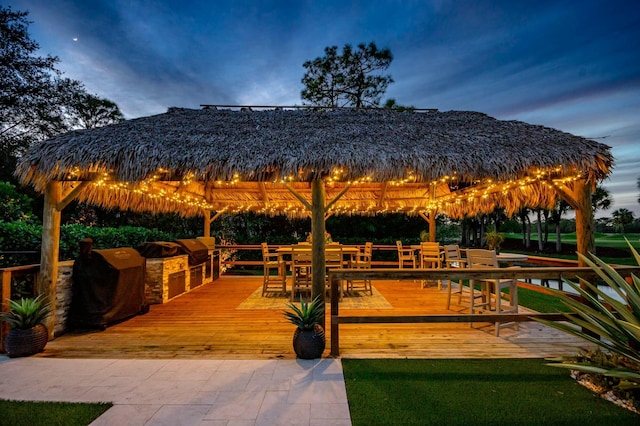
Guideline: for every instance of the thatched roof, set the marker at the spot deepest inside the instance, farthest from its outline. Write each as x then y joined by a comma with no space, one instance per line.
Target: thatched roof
193,160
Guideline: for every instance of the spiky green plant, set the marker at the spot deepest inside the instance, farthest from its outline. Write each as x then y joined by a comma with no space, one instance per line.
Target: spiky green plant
616,322
26,313
307,315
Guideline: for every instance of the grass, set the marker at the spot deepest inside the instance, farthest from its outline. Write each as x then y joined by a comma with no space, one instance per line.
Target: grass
601,239
540,302
27,413
478,392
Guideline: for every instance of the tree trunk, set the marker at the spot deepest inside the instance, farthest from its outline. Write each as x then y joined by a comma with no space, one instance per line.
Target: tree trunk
540,232
545,214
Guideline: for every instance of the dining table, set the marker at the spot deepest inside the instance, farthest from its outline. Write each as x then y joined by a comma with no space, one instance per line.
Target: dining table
510,258
349,250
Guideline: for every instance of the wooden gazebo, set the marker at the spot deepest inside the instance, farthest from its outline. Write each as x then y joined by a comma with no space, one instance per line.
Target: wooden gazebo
315,162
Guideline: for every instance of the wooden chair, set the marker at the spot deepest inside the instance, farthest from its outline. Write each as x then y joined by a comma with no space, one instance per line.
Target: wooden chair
405,255
361,261
301,270
333,260
453,260
430,258
273,283
480,258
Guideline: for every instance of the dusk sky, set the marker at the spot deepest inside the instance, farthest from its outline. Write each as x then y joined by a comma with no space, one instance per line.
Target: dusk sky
570,65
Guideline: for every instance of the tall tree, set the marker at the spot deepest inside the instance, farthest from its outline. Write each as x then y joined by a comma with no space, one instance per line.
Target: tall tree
621,218
32,94
560,209
600,199
88,111
36,101
349,78
392,104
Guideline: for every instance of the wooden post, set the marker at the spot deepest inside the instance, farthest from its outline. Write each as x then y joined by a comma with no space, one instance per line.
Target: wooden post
5,293
431,220
317,236
585,242
50,249
207,224
432,226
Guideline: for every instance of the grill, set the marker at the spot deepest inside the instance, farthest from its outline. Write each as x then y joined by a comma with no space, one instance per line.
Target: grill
158,249
197,251
108,286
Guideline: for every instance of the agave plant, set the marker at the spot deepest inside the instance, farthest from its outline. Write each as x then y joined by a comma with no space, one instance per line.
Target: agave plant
617,323
26,313
307,315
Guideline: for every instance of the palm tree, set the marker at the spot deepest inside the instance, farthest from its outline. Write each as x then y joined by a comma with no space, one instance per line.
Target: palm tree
622,217
600,199
560,208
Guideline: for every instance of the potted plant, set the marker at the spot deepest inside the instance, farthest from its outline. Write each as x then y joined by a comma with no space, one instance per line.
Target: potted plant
494,240
27,335
308,340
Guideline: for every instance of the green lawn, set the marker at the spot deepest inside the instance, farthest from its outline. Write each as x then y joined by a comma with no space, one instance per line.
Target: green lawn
28,413
540,302
472,392
602,240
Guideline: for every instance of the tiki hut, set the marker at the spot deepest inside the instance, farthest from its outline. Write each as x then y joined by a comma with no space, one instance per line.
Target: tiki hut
315,162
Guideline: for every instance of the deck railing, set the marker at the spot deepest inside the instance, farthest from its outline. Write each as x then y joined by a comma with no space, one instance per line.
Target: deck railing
258,248
563,268
559,273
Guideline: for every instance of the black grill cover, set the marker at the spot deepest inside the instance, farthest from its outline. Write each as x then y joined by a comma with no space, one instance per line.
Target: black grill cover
197,251
108,286
159,249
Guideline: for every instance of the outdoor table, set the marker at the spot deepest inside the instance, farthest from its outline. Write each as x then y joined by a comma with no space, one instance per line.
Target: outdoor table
349,250
510,258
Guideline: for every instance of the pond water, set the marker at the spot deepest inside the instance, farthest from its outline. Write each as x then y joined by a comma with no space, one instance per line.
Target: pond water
565,287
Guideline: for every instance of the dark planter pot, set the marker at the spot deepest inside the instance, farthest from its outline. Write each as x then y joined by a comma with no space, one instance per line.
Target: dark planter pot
309,344
26,342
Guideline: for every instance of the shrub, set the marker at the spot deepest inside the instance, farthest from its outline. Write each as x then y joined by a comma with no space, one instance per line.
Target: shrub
613,325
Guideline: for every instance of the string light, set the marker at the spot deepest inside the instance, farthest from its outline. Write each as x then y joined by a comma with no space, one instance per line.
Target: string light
486,191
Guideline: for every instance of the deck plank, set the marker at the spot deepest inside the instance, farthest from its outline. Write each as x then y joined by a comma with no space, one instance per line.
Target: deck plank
206,324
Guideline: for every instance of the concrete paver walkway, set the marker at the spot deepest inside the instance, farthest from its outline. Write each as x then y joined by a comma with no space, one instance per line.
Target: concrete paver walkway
187,392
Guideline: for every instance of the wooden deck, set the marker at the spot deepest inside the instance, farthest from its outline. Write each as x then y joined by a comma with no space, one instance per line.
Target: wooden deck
206,324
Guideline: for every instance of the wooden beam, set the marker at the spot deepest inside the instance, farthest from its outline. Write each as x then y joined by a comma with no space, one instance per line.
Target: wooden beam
50,249
383,195
217,215
431,219
337,197
70,195
567,194
263,191
301,198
